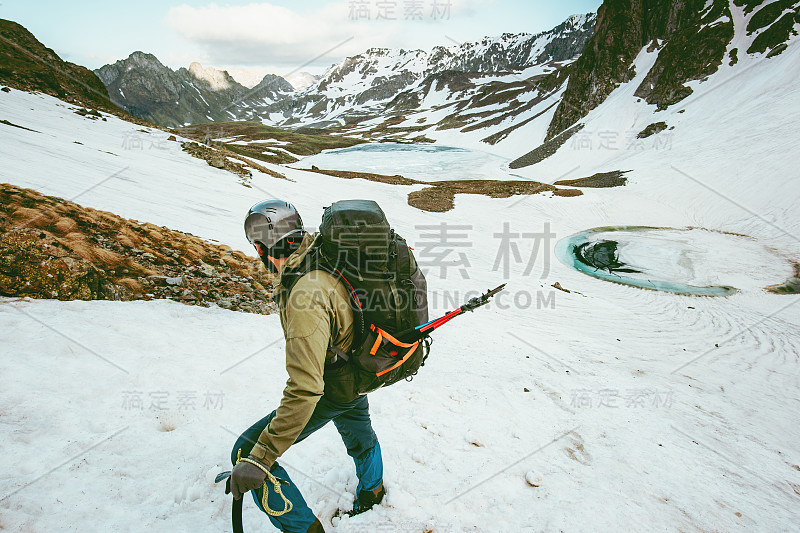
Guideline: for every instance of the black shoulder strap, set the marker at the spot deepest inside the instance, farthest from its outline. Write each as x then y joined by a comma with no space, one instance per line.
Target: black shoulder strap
355,305
403,258
404,272
315,261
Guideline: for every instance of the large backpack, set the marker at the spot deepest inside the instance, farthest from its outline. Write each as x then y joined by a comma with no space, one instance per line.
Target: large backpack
388,295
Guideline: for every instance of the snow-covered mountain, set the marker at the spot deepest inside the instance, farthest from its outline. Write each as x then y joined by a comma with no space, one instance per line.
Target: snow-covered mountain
379,72
356,87
363,86
301,80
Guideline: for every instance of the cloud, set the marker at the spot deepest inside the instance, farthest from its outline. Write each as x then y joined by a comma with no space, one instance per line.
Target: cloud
268,34
258,34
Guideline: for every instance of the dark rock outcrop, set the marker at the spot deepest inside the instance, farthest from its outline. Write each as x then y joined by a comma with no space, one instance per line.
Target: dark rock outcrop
652,129
546,149
694,50
775,21
693,41
601,180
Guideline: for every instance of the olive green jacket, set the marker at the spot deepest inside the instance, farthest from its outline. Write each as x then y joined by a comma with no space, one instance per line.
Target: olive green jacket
317,313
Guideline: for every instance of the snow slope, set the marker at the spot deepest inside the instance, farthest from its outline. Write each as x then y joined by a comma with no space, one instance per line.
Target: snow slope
609,408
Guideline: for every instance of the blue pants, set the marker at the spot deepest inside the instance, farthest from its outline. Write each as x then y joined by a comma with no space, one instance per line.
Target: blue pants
352,421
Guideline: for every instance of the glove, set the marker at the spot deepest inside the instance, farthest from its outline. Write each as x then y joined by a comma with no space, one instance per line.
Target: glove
246,477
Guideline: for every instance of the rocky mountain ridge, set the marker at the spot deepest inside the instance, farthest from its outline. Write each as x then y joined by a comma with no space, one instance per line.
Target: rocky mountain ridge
143,86
363,86
27,64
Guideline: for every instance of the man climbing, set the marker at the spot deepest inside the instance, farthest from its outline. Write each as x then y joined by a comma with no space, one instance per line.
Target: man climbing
317,323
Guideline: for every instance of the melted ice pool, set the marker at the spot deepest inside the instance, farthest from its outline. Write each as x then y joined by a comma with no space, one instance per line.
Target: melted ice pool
683,261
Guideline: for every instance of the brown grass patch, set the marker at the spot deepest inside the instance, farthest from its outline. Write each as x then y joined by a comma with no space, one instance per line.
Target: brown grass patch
132,284
74,238
230,262
72,252
124,240
432,199
65,225
222,158
161,258
154,233
100,257
106,259
440,197
33,218
193,253
567,192
256,166
380,178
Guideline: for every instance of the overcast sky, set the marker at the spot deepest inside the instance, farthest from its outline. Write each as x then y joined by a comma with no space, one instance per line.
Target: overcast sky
280,36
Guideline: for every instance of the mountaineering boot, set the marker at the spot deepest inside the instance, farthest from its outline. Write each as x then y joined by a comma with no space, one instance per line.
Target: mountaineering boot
367,499
316,527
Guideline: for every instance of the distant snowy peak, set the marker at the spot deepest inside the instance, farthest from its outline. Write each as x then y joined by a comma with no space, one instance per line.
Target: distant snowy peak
517,51
146,88
508,52
217,80
375,65
580,20
302,80
379,79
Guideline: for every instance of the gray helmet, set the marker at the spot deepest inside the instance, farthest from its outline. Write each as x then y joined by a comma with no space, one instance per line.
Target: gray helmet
274,227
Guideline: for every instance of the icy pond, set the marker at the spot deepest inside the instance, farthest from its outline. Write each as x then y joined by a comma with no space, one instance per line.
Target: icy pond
422,162
690,261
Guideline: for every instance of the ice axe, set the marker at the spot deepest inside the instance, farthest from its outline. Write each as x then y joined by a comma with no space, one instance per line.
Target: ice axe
423,330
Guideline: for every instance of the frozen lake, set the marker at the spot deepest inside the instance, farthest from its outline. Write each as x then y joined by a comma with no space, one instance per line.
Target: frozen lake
691,261
422,162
